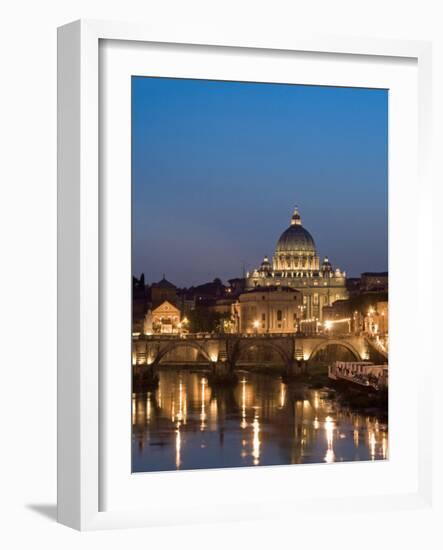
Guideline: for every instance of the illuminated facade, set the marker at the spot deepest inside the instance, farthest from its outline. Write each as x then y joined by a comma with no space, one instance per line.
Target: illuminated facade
269,310
296,265
163,319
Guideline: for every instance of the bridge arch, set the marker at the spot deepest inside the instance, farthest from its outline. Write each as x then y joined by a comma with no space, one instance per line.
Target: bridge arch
326,343
244,345
171,346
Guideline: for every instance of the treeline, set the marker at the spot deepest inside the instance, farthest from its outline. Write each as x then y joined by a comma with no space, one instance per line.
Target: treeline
204,320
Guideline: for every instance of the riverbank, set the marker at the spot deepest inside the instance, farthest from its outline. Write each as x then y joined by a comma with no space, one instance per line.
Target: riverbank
361,398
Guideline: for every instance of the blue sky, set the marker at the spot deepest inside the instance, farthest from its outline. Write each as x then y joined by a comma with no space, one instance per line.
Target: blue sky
217,168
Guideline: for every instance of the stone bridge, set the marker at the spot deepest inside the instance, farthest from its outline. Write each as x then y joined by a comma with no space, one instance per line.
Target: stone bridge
228,350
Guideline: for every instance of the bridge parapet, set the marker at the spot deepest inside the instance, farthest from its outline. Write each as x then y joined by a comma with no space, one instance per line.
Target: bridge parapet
214,336
151,349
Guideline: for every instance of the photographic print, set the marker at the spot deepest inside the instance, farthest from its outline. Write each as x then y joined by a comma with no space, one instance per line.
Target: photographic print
260,311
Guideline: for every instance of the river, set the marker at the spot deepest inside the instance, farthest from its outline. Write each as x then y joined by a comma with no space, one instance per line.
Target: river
185,424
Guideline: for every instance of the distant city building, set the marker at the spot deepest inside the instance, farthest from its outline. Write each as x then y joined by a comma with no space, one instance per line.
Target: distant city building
361,313
268,310
377,320
353,285
164,319
337,318
185,301
296,265
163,291
222,306
374,282
207,292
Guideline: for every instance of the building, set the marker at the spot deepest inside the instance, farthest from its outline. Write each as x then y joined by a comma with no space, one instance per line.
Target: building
366,313
164,319
353,286
268,310
185,301
377,320
163,291
374,282
223,306
338,319
207,292
296,265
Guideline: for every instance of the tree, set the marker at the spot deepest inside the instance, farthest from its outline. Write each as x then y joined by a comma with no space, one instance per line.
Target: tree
201,319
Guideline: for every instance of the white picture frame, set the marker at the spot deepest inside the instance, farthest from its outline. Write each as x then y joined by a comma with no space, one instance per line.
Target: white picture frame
81,412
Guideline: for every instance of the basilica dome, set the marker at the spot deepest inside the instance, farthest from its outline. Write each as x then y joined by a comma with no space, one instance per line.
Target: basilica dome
296,239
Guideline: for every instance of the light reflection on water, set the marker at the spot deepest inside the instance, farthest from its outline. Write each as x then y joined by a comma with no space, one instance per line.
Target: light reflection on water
186,424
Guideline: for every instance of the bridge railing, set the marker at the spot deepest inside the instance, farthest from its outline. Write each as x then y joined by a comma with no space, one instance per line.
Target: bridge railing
243,335
213,335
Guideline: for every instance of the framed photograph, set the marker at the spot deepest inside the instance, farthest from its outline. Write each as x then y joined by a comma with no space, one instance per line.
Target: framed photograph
242,232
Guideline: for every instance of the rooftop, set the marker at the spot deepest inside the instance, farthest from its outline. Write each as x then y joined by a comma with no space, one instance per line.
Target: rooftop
163,284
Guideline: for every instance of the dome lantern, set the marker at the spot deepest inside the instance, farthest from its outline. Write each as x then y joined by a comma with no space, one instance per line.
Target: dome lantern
296,218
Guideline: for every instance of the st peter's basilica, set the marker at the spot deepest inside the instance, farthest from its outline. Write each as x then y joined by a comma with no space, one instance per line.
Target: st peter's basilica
296,265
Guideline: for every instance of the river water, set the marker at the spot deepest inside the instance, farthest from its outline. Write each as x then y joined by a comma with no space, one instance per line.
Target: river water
185,424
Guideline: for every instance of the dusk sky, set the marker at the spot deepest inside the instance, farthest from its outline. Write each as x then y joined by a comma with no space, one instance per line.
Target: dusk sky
217,168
